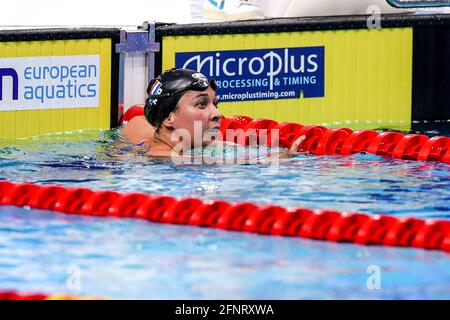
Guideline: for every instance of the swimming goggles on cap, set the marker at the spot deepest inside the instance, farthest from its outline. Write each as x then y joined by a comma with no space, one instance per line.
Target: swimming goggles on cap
198,83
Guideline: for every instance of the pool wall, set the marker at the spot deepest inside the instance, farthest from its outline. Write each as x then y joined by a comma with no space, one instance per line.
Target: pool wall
361,72
387,71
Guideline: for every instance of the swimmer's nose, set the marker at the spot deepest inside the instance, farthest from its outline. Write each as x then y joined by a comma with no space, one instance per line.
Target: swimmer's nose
215,114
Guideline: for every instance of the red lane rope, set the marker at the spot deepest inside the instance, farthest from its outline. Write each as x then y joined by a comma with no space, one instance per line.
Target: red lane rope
323,141
12,295
247,217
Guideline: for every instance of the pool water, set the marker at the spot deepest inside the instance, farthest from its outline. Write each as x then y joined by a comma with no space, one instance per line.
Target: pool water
125,258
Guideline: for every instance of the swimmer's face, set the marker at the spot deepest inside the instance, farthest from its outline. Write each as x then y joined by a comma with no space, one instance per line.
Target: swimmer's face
197,113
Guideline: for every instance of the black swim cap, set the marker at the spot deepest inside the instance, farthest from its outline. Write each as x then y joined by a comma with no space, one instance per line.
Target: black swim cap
165,91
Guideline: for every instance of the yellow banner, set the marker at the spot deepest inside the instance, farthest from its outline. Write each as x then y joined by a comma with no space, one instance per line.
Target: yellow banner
367,76
54,86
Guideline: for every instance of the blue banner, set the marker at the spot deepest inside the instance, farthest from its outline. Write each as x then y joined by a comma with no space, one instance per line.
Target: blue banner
262,74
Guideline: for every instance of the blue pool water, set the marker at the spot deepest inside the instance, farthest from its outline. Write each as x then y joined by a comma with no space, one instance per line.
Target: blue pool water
126,258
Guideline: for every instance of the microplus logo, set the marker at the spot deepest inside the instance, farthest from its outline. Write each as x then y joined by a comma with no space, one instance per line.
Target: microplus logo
262,74
49,82
9,72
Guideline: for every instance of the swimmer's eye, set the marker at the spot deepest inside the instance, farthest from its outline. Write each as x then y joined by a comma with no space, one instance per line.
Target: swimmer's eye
202,103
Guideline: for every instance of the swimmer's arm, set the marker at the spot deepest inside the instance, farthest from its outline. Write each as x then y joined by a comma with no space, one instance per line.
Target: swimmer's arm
190,159
292,149
291,152
223,143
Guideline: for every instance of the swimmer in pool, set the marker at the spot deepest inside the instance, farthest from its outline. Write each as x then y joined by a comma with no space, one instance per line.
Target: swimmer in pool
181,113
180,101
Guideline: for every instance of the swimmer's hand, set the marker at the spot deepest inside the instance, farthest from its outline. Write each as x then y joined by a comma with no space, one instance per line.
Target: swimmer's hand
223,143
294,147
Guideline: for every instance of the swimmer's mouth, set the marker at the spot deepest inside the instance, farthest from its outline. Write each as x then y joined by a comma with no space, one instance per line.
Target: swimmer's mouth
213,133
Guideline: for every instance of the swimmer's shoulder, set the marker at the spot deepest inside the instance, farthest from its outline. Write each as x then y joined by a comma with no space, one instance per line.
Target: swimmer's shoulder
138,130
